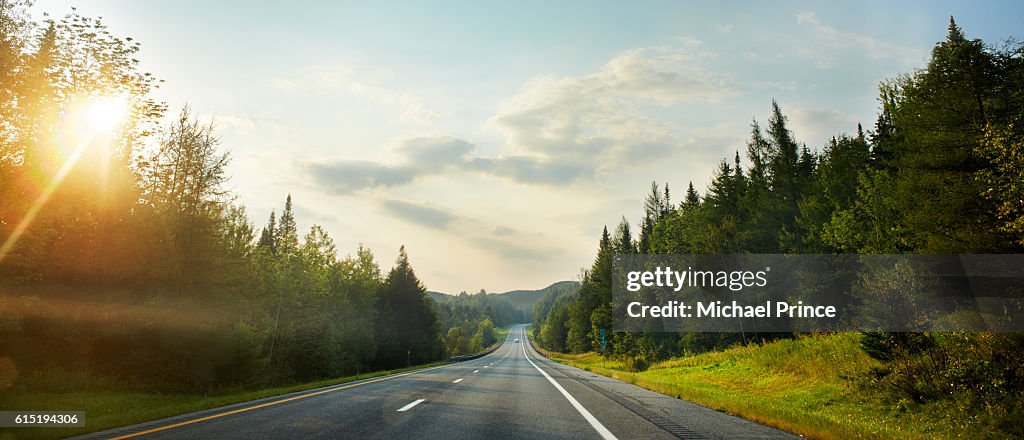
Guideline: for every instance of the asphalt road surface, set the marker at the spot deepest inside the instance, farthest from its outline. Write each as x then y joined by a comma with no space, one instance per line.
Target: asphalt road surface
512,393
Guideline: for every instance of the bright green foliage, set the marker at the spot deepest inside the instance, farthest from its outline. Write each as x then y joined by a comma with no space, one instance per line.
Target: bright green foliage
940,173
456,343
483,337
468,320
833,189
550,317
1003,183
921,194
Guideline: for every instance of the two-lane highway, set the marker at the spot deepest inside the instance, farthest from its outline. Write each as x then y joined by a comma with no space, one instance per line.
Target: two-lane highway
511,393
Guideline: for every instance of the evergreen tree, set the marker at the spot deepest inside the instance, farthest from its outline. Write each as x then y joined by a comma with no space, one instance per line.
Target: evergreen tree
595,291
624,239
739,185
287,238
666,206
692,199
720,214
268,236
832,189
407,325
922,193
785,176
761,226
654,209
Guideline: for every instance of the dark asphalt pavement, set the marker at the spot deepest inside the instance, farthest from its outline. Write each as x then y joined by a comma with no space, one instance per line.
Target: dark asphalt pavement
512,393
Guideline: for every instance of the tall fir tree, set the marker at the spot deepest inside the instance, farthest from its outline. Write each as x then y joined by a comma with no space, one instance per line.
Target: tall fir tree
654,209
408,329
785,177
692,198
287,238
268,236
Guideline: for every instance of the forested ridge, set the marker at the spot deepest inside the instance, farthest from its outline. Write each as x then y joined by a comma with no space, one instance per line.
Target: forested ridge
128,265
940,172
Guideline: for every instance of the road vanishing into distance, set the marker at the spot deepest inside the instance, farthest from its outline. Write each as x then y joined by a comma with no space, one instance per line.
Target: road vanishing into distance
512,393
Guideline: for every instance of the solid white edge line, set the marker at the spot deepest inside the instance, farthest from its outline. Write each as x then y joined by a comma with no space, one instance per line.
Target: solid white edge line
604,432
409,406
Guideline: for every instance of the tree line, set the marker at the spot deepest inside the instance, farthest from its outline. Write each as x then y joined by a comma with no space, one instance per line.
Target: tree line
128,264
941,172
470,320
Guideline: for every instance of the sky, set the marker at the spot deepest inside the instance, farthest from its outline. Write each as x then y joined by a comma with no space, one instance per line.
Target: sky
495,139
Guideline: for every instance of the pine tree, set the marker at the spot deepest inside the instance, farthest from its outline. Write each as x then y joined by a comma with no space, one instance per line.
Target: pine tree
624,238
721,198
720,213
268,237
654,209
287,238
666,202
923,191
785,177
595,290
761,224
407,325
739,183
692,199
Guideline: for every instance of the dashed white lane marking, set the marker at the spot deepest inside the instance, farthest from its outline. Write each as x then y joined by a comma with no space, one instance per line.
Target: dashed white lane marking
604,432
457,380
476,371
485,366
409,406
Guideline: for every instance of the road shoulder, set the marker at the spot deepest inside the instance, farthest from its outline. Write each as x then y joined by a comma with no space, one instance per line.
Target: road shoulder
681,419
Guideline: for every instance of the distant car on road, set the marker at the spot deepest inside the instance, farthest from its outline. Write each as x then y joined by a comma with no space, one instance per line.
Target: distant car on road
516,341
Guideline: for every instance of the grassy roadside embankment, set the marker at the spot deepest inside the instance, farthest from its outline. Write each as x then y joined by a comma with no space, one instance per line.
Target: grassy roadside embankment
812,386
500,333
111,409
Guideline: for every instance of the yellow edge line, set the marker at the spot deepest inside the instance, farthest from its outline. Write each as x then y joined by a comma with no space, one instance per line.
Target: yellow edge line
264,405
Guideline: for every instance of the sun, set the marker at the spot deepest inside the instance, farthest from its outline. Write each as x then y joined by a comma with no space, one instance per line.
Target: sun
104,114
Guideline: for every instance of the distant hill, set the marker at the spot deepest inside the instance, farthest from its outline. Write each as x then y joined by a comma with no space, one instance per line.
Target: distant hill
525,299
521,299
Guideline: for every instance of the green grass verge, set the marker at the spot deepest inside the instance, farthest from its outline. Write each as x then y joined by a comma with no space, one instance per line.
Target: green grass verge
500,333
105,410
811,386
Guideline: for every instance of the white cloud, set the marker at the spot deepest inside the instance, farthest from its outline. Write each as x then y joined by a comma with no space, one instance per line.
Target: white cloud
424,215
240,123
421,156
504,231
502,241
787,86
597,122
557,130
433,152
815,126
348,79
827,41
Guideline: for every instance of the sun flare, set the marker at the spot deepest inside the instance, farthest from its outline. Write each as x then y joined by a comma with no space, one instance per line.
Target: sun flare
89,121
106,113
